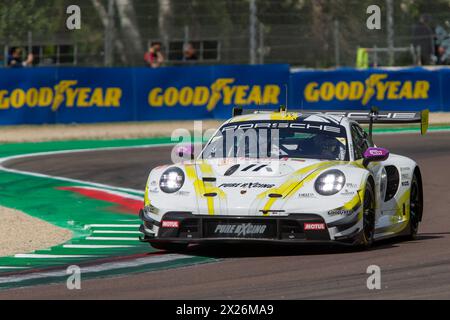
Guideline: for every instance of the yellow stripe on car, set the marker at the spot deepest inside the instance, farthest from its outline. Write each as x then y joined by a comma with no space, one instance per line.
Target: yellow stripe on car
290,116
204,187
295,182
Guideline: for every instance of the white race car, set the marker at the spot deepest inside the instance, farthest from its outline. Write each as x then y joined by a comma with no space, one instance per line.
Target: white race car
287,177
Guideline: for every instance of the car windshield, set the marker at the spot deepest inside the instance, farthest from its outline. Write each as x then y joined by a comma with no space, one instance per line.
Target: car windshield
278,139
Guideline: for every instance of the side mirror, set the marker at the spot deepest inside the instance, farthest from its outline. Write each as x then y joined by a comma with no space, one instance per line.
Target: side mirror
185,151
375,155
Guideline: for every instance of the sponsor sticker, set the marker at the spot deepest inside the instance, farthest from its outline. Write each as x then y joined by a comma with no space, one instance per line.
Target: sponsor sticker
347,193
249,185
153,190
307,195
340,212
170,224
313,226
244,229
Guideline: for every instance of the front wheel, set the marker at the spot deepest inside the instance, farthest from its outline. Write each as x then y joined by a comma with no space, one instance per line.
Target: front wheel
415,206
368,231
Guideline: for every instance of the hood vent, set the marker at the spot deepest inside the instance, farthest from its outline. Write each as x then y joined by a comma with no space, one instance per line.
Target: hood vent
275,195
232,170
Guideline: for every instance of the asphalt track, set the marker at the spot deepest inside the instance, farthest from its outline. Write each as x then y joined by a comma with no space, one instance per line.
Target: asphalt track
409,269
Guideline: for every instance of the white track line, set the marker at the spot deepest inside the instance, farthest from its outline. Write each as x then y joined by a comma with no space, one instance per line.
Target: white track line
89,226
116,232
50,256
103,267
112,238
94,184
12,268
95,246
97,268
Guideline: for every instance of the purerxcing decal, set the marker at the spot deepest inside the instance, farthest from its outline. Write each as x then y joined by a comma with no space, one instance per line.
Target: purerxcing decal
221,89
65,92
374,86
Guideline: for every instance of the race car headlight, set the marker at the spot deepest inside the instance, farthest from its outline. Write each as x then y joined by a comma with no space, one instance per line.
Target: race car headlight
330,182
171,180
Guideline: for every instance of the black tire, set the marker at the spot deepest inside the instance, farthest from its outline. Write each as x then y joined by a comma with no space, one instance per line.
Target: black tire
368,231
172,247
415,205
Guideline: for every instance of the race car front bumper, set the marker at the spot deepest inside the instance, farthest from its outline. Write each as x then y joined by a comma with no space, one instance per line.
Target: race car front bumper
185,227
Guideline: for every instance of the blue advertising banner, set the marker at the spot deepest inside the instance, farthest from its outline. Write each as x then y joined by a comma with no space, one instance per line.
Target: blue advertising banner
206,92
83,95
403,89
80,95
445,89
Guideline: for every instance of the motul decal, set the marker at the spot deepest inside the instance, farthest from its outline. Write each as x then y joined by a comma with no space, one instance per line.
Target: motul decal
314,226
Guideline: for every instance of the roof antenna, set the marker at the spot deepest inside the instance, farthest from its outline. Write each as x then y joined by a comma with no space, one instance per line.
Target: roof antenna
283,108
373,115
287,96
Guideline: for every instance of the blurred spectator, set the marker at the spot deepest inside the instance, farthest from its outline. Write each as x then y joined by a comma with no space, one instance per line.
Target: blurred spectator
190,53
423,34
15,59
154,57
441,57
442,43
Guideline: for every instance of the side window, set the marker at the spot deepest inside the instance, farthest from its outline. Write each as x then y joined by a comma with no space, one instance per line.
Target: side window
360,141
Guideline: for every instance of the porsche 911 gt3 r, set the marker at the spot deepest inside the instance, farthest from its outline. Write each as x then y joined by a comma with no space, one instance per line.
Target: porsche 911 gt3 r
287,177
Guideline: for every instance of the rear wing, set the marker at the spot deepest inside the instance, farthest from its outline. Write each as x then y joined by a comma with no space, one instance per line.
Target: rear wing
361,116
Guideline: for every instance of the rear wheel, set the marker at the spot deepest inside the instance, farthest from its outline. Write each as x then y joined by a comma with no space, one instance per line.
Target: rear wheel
173,247
368,216
415,205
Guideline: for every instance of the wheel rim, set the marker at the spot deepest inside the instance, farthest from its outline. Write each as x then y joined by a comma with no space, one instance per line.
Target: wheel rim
369,215
414,205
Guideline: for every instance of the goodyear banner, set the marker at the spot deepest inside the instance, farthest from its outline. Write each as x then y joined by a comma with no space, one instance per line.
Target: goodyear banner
205,92
77,95
80,95
403,89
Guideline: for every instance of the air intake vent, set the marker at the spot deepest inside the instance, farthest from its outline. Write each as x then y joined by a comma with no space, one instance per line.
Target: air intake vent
393,181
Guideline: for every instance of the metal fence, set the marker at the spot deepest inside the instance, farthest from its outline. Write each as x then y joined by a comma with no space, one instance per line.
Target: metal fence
303,33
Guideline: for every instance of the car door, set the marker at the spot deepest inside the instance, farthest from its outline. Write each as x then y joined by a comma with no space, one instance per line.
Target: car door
379,172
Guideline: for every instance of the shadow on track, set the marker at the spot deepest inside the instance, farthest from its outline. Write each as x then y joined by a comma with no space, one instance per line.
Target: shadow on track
259,250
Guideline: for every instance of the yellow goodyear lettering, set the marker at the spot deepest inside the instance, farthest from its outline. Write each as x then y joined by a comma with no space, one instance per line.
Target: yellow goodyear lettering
223,89
17,98
4,101
112,97
63,93
374,87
